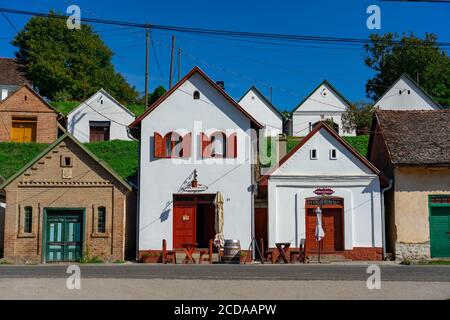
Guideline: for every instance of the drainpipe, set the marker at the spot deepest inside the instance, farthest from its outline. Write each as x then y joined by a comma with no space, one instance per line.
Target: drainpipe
383,216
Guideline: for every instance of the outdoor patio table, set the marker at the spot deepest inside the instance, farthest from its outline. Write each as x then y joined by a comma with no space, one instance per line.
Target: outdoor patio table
189,249
282,250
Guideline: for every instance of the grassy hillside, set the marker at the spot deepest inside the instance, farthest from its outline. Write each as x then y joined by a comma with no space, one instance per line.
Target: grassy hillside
360,143
13,156
64,107
67,106
122,156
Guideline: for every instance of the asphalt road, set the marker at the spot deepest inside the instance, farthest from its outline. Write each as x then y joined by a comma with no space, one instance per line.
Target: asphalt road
332,272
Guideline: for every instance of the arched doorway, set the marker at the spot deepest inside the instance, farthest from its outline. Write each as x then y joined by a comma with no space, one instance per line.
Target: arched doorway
332,223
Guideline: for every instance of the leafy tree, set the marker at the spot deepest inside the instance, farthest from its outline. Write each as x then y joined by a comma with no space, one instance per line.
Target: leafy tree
391,55
68,64
357,117
155,95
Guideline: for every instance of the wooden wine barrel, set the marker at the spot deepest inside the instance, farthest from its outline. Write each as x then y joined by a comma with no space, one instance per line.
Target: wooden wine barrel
232,252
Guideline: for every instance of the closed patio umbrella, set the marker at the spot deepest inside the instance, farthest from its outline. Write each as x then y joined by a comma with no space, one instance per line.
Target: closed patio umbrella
219,239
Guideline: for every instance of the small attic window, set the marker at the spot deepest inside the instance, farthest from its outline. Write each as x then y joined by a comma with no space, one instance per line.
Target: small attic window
66,161
333,154
25,97
196,95
314,154
101,101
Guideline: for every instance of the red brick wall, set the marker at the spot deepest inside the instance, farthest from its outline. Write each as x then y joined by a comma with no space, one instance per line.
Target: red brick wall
90,188
33,106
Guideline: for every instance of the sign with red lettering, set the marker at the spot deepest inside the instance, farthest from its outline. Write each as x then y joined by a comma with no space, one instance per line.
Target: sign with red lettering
324,192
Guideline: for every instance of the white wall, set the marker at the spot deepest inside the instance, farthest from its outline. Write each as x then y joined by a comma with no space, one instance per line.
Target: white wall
415,99
351,180
161,178
362,208
78,120
323,104
263,113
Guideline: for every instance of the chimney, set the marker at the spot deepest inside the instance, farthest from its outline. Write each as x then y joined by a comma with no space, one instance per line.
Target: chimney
221,84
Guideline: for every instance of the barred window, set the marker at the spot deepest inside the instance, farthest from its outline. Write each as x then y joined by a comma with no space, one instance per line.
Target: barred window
28,220
101,220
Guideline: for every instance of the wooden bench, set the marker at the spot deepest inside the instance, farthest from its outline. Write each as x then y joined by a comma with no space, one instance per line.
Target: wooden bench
300,253
168,256
206,252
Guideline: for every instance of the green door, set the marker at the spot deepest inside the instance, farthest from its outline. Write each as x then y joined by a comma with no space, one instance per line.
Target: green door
64,237
440,231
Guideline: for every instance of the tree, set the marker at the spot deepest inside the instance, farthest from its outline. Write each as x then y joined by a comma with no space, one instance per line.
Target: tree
412,55
68,64
155,95
357,117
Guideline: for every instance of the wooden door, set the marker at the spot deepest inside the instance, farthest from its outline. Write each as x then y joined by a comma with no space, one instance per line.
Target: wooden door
206,218
64,237
184,225
98,133
261,226
440,231
23,131
332,224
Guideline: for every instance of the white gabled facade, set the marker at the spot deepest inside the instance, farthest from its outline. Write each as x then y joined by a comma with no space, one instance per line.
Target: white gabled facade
101,109
195,106
324,103
263,111
406,94
291,191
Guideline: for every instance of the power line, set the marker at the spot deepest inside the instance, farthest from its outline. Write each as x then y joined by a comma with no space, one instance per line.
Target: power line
227,33
10,22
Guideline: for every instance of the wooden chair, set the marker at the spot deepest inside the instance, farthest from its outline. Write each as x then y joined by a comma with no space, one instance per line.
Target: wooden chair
208,252
268,255
300,253
168,256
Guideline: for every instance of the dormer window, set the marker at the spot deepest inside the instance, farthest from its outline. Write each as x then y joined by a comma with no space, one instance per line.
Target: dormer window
333,154
196,95
314,154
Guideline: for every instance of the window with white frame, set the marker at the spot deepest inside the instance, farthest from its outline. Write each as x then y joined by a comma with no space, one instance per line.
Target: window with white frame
333,154
314,154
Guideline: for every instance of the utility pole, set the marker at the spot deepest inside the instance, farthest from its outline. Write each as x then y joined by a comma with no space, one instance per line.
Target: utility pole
171,61
179,64
147,36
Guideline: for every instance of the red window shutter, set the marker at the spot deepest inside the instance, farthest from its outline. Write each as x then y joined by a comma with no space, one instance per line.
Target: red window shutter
232,146
206,146
187,145
158,146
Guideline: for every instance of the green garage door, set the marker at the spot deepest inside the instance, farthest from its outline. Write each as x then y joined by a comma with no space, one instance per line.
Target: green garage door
439,228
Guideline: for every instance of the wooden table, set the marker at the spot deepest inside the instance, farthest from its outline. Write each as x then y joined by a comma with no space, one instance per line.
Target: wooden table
189,249
283,249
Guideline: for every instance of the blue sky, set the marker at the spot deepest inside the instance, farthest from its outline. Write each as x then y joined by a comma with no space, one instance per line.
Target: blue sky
293,71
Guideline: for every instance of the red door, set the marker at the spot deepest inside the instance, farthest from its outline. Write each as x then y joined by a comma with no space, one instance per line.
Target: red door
261,226
333,227
184,224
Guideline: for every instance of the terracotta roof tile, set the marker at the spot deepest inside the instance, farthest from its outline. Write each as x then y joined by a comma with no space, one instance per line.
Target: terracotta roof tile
12,73
416,138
